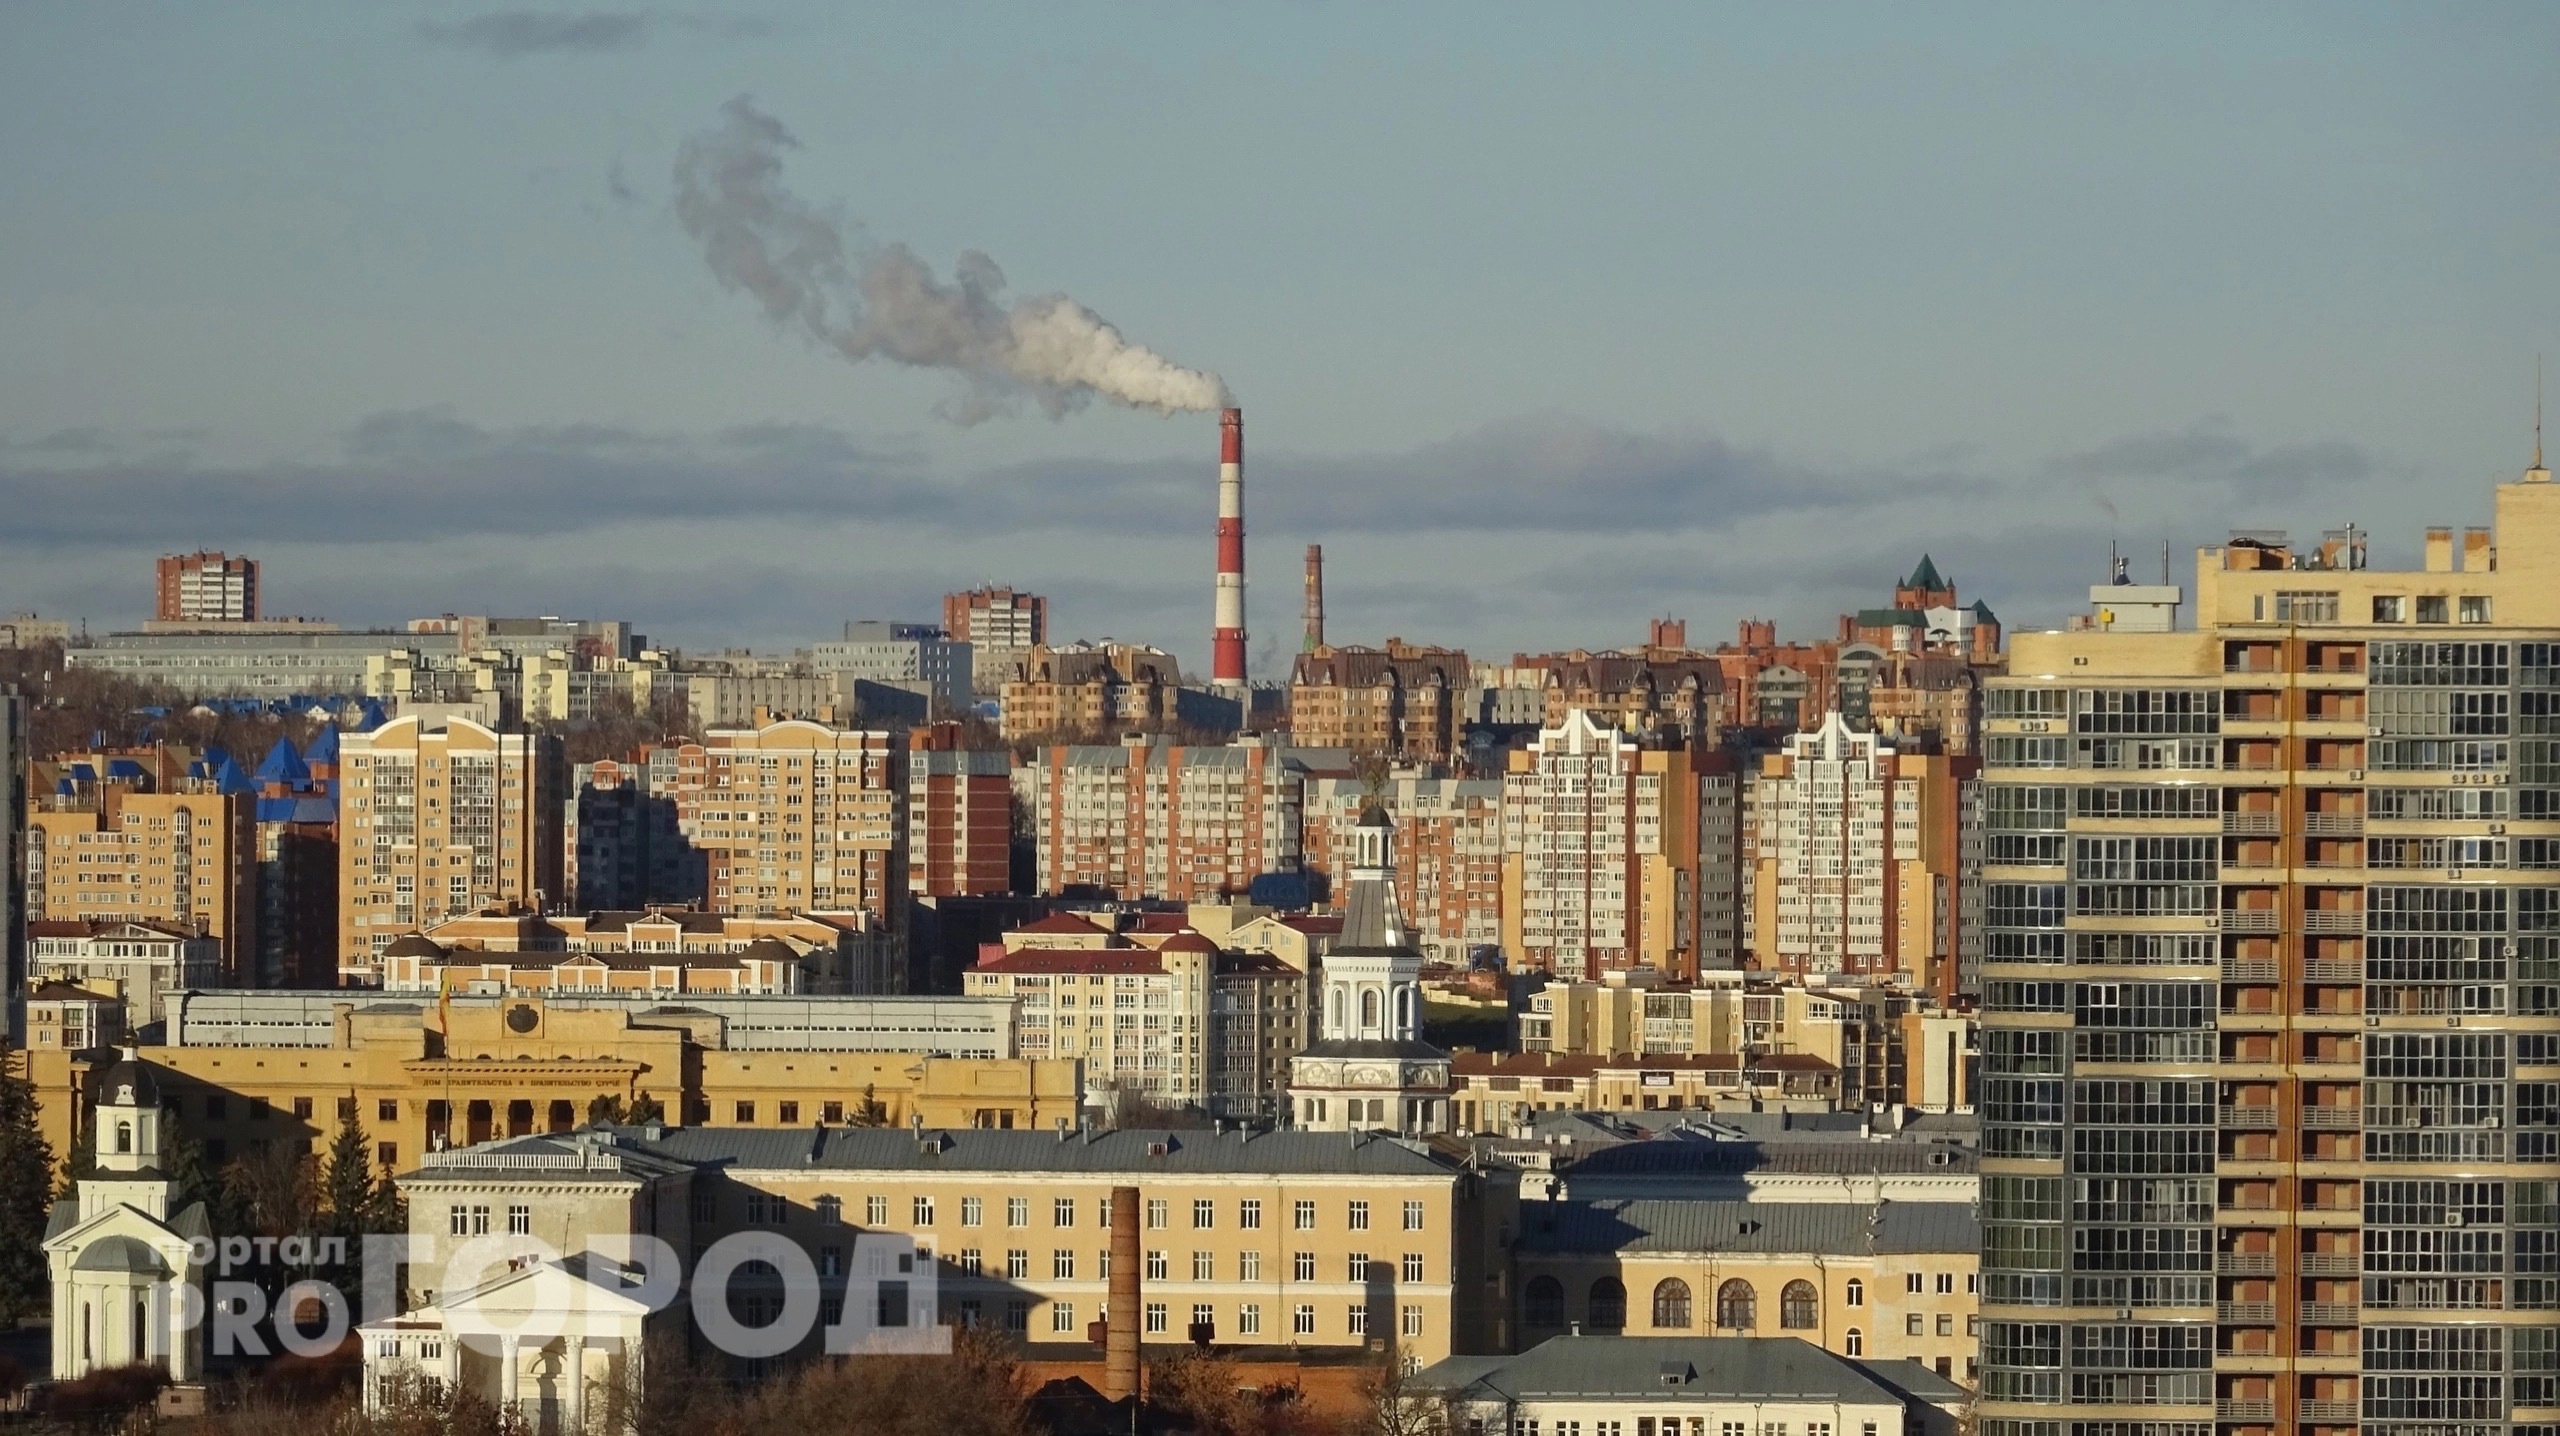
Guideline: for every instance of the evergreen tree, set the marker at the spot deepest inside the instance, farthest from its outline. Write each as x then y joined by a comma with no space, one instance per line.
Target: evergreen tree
606,1108
870,1111
192,1178
646,1109
26,1200
347,1191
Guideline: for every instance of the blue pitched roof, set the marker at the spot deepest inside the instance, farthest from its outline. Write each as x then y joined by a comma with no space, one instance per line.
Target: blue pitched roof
83,773
284,765
297,810
374,716
324,747
228,779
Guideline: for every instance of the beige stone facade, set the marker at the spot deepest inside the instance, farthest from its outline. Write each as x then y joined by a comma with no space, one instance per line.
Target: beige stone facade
441,822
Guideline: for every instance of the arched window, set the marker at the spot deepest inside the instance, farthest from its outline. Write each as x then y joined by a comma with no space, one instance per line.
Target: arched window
124,1137
1737,1306
1337,1008
1671,1305
1368,1008
1608,1304
1798,1308
1545,1301
1855,1344
1404,1008
1856,1294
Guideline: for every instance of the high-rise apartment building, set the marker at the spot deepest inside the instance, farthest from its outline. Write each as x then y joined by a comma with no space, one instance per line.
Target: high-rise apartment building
1404,699
1601,851
207,588
438,822
13,829
1000,625
1151,818
1862,860
1448,853
2272,1033
145,836
959,815
620,839
797,817
1106,689
296,804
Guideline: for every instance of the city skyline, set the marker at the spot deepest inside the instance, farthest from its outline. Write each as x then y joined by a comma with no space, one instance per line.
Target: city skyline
1790,301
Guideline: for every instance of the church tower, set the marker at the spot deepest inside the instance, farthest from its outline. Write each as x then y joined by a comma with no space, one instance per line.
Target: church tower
121,1265
1369,1069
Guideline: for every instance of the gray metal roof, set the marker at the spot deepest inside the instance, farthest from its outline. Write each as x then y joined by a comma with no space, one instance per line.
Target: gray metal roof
1777,1228
1665,1368
1681,1156
980,1150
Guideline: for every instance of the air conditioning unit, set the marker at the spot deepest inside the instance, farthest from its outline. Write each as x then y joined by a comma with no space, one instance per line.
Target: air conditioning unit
2212,923
2497,829
2453,1022
2355,775
2372,1021
2373,730
2499,778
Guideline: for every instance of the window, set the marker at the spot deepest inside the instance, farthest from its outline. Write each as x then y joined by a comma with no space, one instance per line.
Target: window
460,1217
831,1112
1946,1283
1204,1214
1914,1325
1158,1266
1356,1319
1249,1266
1854,1343
971,1211
2472,608
1544,1301
2431,608
1204,1315
1799,1309
1946,1324
1413,1216
1671,1305
790,1114
519,1220
1737,1306
746,1111
1204,1266
1411,1325
2390,608
1302,1266
1302,1321
1249,1319
1855,1294
1357,1267
1249,1214
830,1261
1062,1317
387,1110
1017,1211
1359,1215
1303,1216
1914,1282
1159,1213
1608,1304
1062,1264
302,1108
1157,1321
479,1221
1017,1265
875,1210
1062,1211
1412,1266
922,1209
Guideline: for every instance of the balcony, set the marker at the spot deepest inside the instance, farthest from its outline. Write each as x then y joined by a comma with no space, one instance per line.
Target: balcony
2330,1313
2332,1119
2330,1413
2333,920
2234,1408
2249,1119
2333,825
2332,1264
2245,1263
2261,825
2245,1313
2332,970
2252,920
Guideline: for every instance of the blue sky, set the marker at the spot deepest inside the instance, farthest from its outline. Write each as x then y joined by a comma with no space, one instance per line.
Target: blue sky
1544,318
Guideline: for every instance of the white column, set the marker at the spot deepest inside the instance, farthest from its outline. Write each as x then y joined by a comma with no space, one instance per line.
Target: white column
507,1373
573,1369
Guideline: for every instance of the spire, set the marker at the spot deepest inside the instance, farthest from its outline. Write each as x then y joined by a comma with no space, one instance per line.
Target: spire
1372,919
1926,576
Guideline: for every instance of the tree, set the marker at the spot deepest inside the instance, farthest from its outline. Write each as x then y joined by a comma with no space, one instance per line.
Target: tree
1398,1405
606,1109
26,1200
194,1179
870,1111
275,1187
646,1109
352,1201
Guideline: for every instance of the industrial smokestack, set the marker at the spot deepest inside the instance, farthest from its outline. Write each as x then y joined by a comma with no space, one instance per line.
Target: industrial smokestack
1120,1312
1315,597
1227,666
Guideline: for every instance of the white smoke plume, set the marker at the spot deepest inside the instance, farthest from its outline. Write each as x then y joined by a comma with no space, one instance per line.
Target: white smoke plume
826,278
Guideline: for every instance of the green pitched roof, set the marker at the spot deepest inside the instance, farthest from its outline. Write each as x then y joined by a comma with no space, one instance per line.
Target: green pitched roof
1925,576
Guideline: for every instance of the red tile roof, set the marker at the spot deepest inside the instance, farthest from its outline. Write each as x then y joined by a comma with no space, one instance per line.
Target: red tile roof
1074,959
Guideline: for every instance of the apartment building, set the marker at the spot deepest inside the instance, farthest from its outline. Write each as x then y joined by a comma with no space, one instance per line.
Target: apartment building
1496,1091
1153,818
1089,689
1448,852
296,806
1861,860
621,842
206,588
441,822
1001,627
959,815
138,963
1875,1281
918,657
145,836
1601,851
2274,960
1405,700
1666,694
797,816
246,1071
13,848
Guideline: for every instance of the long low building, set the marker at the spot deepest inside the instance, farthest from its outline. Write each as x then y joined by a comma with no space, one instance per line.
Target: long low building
248,1070
1691,1386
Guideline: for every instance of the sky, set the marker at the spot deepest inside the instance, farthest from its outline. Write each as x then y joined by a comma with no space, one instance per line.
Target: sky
1545,319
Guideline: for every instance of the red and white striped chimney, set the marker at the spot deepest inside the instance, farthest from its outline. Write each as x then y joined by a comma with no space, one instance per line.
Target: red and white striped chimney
1227,666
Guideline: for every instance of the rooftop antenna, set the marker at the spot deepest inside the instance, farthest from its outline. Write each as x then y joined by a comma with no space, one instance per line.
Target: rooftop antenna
2537,411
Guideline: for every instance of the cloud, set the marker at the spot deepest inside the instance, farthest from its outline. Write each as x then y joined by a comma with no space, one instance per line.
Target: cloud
509,34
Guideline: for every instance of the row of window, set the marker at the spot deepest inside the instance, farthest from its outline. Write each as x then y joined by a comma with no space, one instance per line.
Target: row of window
771,1209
